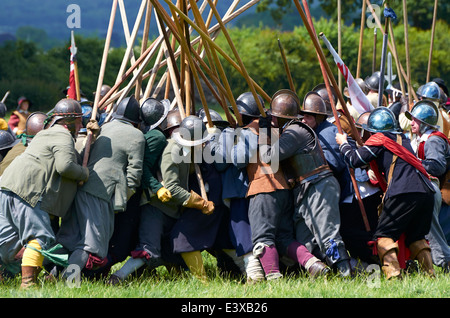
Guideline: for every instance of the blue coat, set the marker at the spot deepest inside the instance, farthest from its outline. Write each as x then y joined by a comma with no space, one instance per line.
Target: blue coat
326,132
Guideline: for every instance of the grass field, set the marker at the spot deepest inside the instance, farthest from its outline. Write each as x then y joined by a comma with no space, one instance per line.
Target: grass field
162,284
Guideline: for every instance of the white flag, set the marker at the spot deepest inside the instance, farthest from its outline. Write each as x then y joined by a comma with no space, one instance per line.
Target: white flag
359,100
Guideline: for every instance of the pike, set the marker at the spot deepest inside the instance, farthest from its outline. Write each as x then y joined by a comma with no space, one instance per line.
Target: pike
5,97
286,66
100,79
307,21
219,49
433,28
374,55
390,76
388,14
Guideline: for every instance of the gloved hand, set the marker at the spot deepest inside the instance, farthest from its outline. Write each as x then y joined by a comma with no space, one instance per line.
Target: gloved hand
195,201
163,194
93,126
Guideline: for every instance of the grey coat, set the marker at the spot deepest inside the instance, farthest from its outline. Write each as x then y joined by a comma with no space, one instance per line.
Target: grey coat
115,163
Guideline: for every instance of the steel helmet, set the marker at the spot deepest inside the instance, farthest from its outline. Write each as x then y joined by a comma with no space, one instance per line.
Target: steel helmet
321,89
153,112
285,104
7,140
362,119
426,112
215,118
66,108
128,110
3,110
373,81
247,105
191,132
431,91
314,104
173,119
381,119
35,123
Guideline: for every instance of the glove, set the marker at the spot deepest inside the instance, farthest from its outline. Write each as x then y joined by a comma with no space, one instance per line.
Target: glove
163,194
93,126
195,201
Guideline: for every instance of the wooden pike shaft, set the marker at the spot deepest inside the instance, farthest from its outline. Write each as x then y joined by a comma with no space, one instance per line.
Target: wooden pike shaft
236,55
327,68
100,79
286,66
401,69
433,28
361,38
408,69
218,49
214,60
337,121
186,47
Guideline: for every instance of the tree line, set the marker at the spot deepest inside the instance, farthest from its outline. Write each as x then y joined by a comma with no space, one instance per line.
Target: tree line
26,69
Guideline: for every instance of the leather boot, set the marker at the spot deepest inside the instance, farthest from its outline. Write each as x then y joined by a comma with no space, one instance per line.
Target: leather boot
194,262
421,251
387,251
29,276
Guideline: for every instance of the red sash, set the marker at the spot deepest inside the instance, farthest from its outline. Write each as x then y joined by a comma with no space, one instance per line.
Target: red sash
379,139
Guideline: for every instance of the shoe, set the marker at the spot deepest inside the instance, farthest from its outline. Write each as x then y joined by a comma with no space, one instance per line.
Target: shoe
318,269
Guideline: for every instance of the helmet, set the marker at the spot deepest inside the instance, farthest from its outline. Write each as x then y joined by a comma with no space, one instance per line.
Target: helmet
362,119
128,110
215,118
153,112
3,110
173,119
66,108
426,112
285,104
321,89
247,105
7,140
373,81
191,132
314,104
103,90
431,91
381,119
35,123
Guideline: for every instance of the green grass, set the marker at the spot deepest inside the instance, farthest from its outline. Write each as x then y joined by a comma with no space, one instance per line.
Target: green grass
162,284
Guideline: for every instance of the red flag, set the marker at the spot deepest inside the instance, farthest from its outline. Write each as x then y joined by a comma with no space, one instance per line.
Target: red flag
72,91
